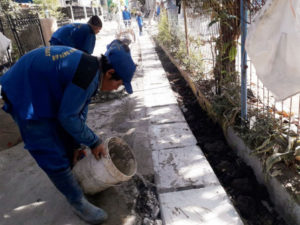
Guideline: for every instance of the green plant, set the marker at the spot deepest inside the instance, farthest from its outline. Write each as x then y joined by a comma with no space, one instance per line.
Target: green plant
227,15
196,58
113,8
269,139
227,105
164,35
48,8
133,11
175,41
9,7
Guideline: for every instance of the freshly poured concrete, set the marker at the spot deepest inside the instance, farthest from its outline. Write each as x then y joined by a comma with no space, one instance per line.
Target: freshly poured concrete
159,97
165,114
181,168
171,135
208,205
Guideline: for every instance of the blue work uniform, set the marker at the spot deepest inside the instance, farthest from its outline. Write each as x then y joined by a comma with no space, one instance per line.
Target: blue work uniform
158,11
76,35
126,15
47,93
139,21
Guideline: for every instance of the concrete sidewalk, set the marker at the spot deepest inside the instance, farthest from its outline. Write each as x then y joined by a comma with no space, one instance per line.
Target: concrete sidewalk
151,122
189,191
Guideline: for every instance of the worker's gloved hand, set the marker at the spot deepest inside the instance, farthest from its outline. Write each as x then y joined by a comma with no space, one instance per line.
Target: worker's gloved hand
99,151
88,212
78,154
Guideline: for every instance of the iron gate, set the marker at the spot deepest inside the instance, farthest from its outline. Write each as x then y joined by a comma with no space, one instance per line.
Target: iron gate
24,30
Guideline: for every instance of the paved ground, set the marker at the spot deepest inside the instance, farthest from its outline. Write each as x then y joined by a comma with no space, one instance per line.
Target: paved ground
9,133
152,124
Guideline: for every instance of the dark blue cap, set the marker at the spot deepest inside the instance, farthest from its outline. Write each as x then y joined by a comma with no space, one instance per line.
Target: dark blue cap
120,59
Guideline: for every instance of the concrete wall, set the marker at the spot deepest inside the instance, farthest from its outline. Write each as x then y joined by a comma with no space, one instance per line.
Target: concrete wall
49,26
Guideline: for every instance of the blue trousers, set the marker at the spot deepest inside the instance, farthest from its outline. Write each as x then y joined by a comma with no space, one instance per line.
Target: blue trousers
52,148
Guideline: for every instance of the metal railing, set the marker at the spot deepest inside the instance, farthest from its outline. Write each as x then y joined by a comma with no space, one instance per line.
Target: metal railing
78,12
21,27
201,34
89,11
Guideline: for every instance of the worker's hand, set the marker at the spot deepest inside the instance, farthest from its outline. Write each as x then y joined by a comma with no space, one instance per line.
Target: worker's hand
99,152
78,154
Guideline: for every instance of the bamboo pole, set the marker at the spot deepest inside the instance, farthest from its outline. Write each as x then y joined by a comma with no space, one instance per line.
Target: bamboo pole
185,28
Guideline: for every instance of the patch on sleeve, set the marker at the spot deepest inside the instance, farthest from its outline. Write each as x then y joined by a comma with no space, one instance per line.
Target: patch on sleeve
86,71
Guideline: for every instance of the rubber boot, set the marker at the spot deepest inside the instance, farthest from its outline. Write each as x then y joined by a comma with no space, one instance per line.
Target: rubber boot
89,212
69,187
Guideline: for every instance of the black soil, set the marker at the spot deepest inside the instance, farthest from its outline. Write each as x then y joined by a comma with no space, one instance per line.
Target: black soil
147,204
247,195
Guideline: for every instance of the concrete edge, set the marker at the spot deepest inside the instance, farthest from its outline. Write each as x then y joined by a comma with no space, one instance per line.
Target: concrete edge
198,188
284,202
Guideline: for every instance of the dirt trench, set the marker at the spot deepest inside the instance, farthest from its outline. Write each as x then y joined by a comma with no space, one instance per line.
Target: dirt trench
249,197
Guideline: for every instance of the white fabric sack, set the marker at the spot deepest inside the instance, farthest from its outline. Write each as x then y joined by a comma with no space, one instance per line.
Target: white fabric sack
4,44
273,45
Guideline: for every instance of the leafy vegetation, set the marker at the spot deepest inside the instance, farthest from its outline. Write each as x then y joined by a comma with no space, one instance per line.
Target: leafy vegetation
48,8
9,7
113,8
176,42
271,140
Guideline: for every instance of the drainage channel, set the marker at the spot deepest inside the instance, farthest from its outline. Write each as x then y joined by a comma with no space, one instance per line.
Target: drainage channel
247,195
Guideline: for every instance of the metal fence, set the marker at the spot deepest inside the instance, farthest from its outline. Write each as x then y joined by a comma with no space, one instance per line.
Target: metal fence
23,28
286,111
89,11
78,12
201,35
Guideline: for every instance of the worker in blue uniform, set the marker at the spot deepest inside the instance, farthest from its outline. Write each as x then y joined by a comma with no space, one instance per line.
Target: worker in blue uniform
157,10
139,20
78,35
47,93
126,17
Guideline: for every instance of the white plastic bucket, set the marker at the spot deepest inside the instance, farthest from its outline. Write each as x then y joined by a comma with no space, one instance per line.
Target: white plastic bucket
97,175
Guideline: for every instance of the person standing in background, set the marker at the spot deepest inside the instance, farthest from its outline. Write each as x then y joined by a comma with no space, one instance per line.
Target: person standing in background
139,20
126,17
157,10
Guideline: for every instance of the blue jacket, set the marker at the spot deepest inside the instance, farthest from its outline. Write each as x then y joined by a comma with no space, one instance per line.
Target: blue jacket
126,15
158,10
76,35
54,83
139,20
